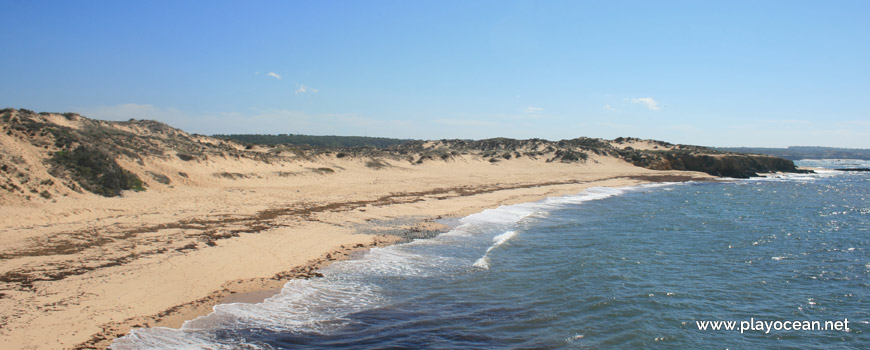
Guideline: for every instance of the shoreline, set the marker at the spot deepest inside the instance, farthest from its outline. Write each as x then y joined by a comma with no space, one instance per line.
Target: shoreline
201,219
249,291
92,268
257,291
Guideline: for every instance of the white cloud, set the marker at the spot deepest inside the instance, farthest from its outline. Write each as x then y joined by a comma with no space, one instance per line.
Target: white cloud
608,107
302,89
648,101
274,75
531,109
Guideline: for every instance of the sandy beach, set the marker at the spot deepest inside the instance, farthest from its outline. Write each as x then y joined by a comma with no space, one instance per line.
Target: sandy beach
433,175
90,268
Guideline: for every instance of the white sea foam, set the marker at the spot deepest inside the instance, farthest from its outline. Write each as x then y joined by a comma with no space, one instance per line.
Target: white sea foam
352,286
500,239
483,262
834,163
168,338
782,177
515,213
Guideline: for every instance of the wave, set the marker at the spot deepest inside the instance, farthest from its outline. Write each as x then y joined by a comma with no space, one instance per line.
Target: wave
834,163
483,262
321,304
784,177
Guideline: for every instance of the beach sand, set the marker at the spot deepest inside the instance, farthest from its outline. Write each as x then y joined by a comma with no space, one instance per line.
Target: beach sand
83,270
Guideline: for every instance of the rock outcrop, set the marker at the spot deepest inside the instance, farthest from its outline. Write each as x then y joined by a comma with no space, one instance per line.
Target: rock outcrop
725,165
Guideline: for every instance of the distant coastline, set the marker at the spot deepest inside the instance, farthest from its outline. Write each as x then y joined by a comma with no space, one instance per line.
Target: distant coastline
804,152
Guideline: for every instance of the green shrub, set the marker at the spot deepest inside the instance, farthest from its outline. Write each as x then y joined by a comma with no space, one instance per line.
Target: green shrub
323,170
159,178
96,172
376,164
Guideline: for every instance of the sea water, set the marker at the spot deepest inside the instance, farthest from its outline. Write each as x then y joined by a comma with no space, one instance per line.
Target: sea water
608,268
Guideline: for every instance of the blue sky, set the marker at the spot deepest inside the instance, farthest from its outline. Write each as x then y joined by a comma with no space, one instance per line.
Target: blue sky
719,73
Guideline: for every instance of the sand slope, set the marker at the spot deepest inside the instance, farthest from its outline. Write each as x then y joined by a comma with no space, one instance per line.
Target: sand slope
228,221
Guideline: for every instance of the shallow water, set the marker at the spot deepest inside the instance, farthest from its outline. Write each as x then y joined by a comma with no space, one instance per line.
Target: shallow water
608,268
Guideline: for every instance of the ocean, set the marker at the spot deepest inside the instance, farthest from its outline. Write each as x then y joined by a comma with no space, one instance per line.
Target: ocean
783,260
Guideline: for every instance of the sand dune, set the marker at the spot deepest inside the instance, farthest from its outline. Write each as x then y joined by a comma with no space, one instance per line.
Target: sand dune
90,267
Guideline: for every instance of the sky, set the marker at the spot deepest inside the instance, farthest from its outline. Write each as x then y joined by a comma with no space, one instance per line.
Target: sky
714,73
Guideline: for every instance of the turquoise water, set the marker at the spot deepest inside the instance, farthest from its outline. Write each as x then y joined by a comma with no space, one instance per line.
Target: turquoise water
605,269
